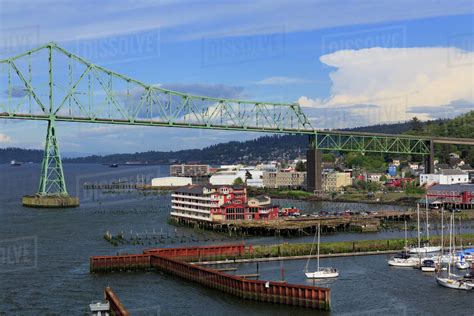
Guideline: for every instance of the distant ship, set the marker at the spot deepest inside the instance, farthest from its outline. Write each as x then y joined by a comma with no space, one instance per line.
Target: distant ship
113,165
136,163
15,163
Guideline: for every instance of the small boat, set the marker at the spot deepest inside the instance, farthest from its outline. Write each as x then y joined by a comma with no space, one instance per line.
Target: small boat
462,265
453,281
458,284
403,260
425,249
320,273
15,163
113,165
428,265
469,278
323,273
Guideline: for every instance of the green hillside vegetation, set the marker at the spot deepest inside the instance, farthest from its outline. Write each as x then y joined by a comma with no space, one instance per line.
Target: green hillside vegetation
461,126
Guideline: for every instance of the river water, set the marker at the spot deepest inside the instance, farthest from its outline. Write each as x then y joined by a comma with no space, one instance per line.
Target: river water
44,256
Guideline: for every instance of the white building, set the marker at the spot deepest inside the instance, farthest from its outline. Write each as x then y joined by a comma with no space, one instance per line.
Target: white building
228,177
446,176
171,181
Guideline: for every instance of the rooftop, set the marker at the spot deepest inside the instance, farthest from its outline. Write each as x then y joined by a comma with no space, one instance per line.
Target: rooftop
452,172
453,187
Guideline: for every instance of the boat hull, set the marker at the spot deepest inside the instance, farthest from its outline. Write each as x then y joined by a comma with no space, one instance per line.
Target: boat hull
462,265
425,249
428,269
403,263
321,275
454,284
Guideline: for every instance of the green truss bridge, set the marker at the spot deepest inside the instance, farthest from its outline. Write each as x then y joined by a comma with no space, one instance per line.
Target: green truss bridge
51,84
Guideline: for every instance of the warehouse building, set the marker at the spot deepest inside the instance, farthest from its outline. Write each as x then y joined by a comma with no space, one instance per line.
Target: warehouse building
445,176
453,196
171,181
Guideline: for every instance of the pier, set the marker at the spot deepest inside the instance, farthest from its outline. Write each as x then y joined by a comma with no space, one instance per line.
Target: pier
300,226
176,261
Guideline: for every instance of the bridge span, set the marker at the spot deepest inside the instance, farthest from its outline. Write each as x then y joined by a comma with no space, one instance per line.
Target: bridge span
51,84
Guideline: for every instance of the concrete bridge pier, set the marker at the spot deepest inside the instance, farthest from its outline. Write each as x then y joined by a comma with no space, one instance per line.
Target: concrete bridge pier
429,160
314,176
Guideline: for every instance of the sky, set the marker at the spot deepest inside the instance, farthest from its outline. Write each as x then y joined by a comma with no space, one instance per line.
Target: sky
347,63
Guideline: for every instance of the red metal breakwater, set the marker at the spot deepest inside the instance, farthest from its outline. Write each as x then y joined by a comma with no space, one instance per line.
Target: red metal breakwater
116,307
173,260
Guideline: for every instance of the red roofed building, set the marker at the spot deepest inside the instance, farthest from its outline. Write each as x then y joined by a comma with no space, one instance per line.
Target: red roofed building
220,203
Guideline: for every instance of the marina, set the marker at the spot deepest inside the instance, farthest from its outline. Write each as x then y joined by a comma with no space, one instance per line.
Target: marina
82,229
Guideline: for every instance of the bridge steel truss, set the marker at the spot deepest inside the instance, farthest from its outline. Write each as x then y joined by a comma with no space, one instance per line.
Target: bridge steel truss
79,91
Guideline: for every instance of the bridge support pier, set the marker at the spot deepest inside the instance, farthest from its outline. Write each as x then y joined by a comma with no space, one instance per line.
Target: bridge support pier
429,160
52,192
314,177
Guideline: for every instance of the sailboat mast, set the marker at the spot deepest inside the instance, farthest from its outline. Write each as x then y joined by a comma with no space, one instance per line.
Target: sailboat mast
427,226
450,245
406,238
319,237
418,225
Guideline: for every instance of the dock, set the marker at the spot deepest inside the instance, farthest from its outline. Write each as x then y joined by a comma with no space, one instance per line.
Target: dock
299,226
176,261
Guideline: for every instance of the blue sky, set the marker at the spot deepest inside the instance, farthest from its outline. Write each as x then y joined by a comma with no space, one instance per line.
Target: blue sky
348,63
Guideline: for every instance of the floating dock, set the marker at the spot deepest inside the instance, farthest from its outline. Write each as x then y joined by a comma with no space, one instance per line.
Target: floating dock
176,261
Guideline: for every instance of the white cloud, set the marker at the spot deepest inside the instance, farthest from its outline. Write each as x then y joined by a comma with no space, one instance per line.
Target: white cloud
396,80
5,138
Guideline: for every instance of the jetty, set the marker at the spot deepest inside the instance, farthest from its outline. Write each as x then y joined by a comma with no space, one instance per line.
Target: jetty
177,261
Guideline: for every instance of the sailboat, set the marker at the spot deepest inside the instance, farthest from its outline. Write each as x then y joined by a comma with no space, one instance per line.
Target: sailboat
320,273
461,262
403,259
452,281
426,248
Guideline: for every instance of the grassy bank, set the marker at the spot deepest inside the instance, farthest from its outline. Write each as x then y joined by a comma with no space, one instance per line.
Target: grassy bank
300,249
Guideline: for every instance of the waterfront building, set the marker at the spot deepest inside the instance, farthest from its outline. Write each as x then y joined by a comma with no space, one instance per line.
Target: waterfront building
467,168
184,170
211,203
284,180
454,195
333,181
171,181
445,176
251,177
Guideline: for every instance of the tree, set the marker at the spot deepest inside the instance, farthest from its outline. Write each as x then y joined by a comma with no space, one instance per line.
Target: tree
300,166
238,181
383,178
248,175
416,124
